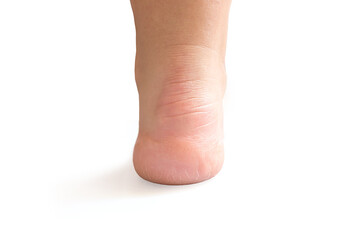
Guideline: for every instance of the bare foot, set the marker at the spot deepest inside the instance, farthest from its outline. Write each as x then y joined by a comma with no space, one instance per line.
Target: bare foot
180,76
180,137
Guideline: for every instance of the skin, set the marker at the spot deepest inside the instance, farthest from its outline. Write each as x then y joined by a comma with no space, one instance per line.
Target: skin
180,75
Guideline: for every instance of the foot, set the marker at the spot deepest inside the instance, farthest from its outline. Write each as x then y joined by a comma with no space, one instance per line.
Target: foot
180,133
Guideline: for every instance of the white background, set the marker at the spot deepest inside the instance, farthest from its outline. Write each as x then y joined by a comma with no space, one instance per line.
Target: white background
69,112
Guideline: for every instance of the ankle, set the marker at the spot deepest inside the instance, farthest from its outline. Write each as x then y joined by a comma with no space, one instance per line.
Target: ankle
187,85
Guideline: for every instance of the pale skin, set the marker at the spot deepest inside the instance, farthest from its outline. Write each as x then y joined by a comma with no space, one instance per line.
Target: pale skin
180,76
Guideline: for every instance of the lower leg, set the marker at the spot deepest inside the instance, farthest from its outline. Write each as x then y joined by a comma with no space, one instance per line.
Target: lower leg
180,76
